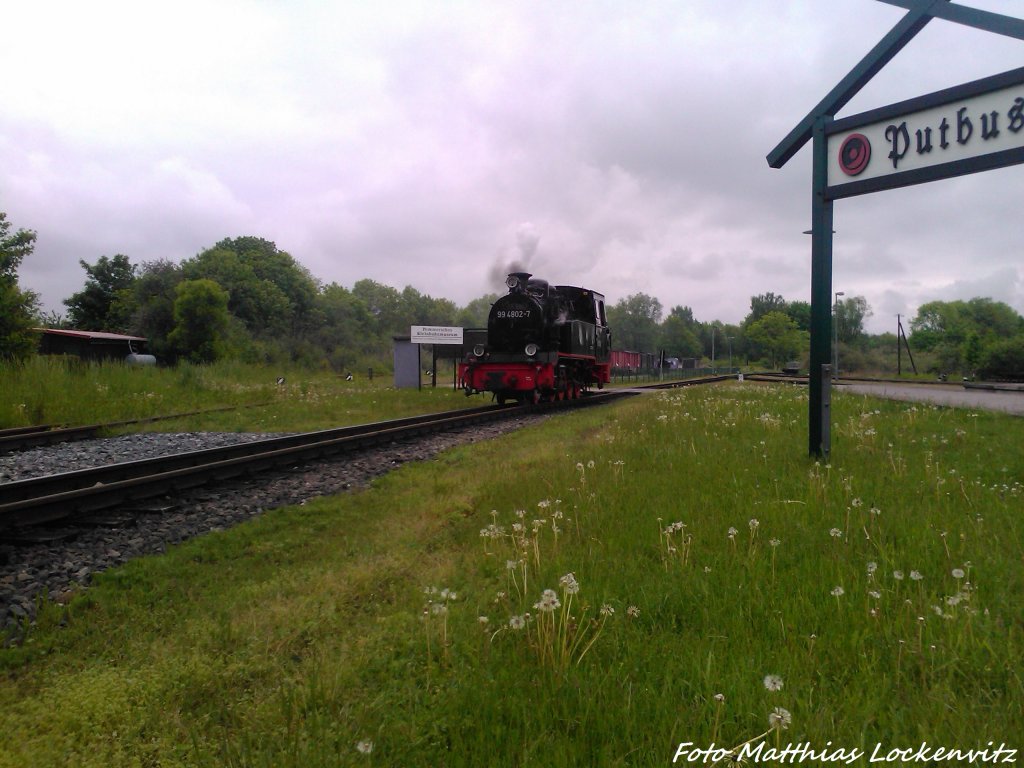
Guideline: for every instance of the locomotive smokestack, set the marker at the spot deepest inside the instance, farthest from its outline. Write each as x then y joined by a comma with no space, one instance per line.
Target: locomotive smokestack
517,281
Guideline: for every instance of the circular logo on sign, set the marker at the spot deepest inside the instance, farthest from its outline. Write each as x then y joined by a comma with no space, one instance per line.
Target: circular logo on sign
854,154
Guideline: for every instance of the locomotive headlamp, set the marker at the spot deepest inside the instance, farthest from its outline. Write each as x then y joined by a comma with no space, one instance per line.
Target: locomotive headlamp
478,350
511,281
531,350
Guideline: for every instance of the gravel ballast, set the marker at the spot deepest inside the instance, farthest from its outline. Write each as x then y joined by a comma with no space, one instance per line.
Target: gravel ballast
62,568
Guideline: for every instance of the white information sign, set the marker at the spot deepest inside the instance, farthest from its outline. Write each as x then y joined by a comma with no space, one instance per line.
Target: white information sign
435,334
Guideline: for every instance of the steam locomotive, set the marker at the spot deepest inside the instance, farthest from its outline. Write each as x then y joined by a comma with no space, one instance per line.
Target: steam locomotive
544,342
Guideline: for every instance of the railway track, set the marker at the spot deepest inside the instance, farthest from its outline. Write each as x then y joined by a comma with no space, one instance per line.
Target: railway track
43,500
21,438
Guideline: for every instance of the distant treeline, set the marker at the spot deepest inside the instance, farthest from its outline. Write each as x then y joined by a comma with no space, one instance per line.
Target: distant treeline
245,299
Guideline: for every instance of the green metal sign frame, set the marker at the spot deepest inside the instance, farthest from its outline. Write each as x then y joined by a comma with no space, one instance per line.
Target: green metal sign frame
816,127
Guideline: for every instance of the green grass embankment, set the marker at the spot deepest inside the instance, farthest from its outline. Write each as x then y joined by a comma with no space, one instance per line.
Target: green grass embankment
705,577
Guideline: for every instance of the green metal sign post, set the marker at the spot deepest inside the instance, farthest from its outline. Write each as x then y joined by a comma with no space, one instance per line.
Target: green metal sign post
856,154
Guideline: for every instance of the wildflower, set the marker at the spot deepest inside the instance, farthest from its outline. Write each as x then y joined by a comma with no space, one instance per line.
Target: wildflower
754,522
632,611
517,622
953,600
579,466
544,503
872,567
364,746
835,533
548,601
511,565
719,697
838,591
779,719
732,532
773,682
607,610
875,594
590,464
958,573
774,542
439,609
569,584
484,621
916,576
898,575
856,503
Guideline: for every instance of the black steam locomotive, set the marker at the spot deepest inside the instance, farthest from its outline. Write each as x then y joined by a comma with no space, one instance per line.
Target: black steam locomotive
544,342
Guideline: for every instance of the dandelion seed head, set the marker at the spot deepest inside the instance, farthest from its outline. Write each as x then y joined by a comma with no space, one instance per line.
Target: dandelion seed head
569,584
916,576
548,601
958,573
719,697
838,591
773,682
632,611
364,746
607,610
779,719
898,575
754,522
517,622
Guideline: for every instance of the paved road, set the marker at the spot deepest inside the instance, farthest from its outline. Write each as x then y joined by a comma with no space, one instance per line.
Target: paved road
951,395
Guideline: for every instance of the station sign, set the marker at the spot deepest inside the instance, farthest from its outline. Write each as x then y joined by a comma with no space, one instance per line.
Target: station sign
435,334
973,127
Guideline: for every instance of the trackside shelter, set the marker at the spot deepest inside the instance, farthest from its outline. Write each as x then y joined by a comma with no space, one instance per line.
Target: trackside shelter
92,345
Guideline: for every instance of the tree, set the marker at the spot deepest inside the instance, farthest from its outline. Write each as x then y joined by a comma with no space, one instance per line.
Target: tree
474,314
959,333
634,322
800,312
95,307
201,321
778,334
17,307
850,316
762,304
346,334
149,304
678,336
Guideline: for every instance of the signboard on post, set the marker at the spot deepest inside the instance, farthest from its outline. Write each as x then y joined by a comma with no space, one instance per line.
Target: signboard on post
973,127
435,334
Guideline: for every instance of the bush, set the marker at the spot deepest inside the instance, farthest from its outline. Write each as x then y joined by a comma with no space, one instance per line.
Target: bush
1004,360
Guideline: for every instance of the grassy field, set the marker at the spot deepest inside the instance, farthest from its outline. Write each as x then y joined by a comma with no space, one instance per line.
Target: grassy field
597,591
50,390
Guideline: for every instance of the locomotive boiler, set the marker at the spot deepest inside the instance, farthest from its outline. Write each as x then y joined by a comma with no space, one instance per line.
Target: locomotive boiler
544,342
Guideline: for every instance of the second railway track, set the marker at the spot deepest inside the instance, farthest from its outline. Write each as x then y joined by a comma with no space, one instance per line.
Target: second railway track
61,496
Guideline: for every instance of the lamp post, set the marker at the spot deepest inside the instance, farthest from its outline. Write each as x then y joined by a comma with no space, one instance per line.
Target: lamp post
729,339
835,336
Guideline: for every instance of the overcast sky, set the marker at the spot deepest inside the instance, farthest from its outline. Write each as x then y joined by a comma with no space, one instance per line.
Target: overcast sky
616,145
